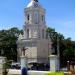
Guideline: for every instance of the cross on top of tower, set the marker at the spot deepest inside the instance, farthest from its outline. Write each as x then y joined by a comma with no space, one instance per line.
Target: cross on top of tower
35,0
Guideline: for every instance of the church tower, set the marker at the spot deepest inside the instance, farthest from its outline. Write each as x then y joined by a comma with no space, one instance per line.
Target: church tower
34,20
34,37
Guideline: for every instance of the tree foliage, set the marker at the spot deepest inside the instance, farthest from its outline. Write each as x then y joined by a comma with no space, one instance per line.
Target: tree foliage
8,47
66,46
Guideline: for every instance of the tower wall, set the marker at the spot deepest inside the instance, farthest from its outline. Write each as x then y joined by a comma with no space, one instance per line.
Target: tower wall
34,37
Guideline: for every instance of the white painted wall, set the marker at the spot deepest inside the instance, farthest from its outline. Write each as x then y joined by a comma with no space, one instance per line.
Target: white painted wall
2,60
54,63
18,72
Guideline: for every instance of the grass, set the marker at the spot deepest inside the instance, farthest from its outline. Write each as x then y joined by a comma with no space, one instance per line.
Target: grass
55,73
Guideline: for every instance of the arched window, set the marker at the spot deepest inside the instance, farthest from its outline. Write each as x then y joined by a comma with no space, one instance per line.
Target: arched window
28,17
36,17
42,18
43,33
27,33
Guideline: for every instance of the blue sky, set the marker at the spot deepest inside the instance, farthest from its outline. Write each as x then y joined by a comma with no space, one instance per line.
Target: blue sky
60,14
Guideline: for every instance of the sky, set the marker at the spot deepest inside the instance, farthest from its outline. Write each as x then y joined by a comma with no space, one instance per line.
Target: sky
60,15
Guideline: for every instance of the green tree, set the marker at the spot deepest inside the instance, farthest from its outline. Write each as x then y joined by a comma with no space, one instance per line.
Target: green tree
66,46
8,45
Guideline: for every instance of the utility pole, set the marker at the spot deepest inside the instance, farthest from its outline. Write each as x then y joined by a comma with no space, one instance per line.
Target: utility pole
58,52
49,45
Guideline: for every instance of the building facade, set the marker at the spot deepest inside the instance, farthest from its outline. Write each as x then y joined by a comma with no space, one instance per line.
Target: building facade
34,37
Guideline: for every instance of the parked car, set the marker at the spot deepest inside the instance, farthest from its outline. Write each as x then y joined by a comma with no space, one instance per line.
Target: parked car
39,66
15,66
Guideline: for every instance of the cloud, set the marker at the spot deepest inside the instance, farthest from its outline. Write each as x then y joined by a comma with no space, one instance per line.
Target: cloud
69,24
68,29
65,27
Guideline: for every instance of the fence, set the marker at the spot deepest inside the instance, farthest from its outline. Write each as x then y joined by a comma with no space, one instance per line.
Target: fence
18,72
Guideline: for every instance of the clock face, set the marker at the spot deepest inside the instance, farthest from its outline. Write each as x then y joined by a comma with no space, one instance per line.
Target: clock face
35,5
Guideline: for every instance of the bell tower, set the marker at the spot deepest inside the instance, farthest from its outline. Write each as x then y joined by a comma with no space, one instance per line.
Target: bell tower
34,26
34,37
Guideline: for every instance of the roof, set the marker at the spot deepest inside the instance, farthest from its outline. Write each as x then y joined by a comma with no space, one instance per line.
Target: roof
32,3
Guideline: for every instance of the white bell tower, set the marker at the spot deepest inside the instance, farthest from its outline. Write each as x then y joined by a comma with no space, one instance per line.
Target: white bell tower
34,20
34,37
